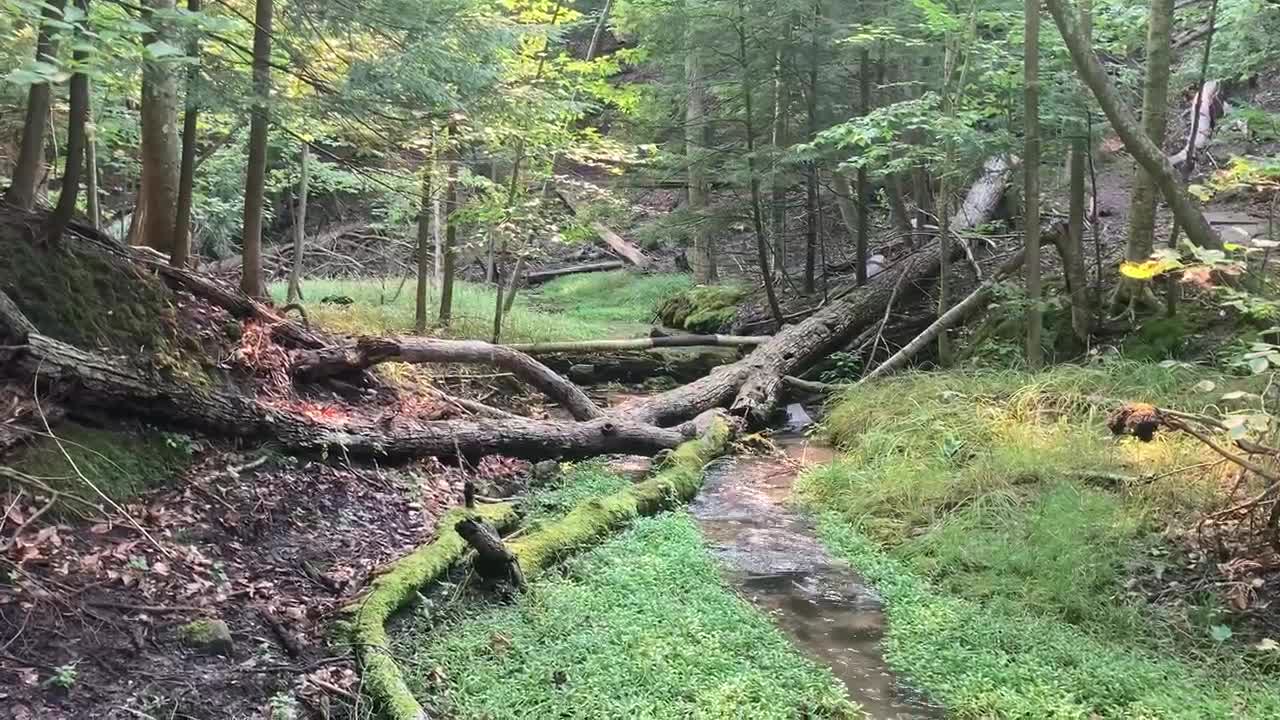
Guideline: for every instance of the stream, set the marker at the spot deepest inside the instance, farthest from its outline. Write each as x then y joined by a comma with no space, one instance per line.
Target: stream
771,555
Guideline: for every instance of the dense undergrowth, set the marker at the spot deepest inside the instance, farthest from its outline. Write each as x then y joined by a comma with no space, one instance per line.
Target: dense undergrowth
1013,537
640,627
576,307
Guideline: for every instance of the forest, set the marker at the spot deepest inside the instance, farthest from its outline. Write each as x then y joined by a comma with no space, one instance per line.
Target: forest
497,359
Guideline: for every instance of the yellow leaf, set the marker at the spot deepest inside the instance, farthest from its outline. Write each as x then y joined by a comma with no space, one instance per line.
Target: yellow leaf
1232,247
1201,192
1147,269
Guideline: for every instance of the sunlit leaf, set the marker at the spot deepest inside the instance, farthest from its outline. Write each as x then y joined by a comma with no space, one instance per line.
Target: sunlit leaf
1220,633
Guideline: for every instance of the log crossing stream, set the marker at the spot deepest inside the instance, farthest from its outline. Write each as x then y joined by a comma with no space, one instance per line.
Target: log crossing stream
771,555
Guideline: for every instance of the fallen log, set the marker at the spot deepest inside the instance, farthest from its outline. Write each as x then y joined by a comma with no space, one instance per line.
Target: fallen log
119,387
638,366
540,276
494,560
951,317
1208,104
667,341
616,243
366,352
751,386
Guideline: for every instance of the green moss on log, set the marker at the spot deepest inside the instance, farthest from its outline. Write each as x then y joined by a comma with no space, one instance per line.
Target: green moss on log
703,309
381,677
587,523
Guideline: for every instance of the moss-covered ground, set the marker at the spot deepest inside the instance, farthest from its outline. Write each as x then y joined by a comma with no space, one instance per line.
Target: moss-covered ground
640,627
1012,538
121,462
576,307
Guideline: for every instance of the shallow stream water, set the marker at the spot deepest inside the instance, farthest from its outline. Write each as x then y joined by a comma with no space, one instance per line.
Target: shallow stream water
772,556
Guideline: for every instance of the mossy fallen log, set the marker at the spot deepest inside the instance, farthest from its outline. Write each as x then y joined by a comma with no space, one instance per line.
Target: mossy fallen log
677,482
365,626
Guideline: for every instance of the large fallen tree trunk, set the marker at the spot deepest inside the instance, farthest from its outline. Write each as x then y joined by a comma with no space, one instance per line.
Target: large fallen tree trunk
366,352
117,387
752,386
638,367
616,242
541,276
667,341
1208,104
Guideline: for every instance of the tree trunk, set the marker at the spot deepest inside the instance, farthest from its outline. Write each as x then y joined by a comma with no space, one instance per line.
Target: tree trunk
864,107
115,387
77,119
945,250
613,240
159,151
1071,248
425,217
811,177
541,276
601,23
1155,98
757,215
299,227
1136,142
187,170
664,341
513,285
449,249
1207,108
703,261
777,188
30,163
1031,190
256,174
367,352
92,204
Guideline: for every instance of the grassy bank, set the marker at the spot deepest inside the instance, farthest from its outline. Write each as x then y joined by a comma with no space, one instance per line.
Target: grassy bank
1017,544
575,307
640,627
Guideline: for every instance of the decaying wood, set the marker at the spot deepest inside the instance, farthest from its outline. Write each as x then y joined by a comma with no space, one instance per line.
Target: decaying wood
667,341
616,242
275,255
638,366
312,365
1209,110
540,276
493,561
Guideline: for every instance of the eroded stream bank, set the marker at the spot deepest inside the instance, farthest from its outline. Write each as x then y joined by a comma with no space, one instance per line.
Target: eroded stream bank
770,553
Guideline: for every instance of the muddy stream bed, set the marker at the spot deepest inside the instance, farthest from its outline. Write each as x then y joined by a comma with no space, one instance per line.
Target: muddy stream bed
771,555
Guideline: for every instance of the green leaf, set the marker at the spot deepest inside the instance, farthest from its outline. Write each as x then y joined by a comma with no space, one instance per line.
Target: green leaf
161,49
1236,395
1205,386
1259,365
1220,633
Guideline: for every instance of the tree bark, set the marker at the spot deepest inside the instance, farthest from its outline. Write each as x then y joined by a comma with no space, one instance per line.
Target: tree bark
864,107
1207,108
613,240
1155,98
181,256
812,218
667,341
703,260
27,169
540,276
1136,142
294,292
424,244
601,23
513,285
778,138
367,352
77,119
451,226
159,151
92,204
256,174
1031,189
757,214
1071,247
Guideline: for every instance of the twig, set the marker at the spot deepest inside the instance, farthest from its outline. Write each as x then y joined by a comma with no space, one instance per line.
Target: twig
323,685
26,523
888,311
235,470
109,605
